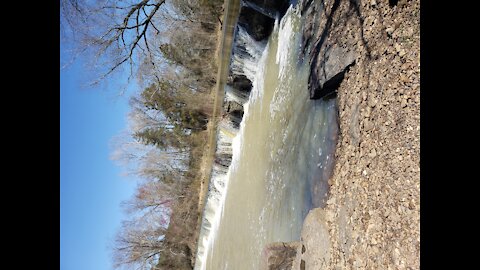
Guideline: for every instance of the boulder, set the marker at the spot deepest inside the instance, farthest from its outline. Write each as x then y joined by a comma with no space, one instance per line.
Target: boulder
328,59
279,255
328,69
313,251
242,83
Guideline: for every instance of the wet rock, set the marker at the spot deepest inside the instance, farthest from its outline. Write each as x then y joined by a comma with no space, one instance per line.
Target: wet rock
268,7
328,70
257,25
230,106
279,255
236,117
311,13
242,83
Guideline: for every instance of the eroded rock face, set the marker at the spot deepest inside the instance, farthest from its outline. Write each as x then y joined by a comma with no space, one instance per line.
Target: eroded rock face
257,25
242,83
279,255
328,60
328,70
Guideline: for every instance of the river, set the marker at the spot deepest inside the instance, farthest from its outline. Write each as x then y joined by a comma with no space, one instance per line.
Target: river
280,156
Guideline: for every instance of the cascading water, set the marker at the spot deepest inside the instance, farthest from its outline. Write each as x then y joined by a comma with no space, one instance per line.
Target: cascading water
273,167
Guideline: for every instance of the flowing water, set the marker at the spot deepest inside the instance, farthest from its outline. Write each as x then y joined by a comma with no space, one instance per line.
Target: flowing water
272,168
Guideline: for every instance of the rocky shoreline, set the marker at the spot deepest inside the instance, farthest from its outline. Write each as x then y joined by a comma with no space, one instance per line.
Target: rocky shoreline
371,220
367,55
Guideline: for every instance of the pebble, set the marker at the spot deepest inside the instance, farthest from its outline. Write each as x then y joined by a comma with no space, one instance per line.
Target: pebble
397,47
367,125
389,30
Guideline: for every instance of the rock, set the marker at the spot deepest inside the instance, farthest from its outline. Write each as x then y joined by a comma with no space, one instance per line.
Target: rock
316,239
268,7
367,125
231,106
328,70
257,25
397,47
389,30
279,255
372,101
236,117
242,83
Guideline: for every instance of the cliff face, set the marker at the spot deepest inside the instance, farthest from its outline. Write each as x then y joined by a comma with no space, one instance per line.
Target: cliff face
371,220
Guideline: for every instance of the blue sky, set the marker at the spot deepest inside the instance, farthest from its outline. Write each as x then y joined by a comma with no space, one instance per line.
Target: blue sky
91,185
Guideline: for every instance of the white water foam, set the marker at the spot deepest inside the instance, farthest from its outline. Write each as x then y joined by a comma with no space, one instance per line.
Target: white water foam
286,34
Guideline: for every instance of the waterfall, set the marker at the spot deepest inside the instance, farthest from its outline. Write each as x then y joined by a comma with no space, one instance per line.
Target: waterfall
245,60
232,94
245,54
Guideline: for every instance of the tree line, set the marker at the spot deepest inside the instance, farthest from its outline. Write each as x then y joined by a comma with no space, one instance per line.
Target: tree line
168,47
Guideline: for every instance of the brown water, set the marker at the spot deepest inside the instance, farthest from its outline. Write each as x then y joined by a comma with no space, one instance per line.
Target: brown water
282,155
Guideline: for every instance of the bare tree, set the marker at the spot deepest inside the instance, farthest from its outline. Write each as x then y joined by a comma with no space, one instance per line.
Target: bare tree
154,199
114,33
138,245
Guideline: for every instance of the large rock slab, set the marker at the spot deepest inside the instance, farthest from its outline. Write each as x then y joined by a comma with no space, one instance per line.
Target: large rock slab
328,70
313,252
329,59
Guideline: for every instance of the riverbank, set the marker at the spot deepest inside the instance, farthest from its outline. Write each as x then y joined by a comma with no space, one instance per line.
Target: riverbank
372,215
